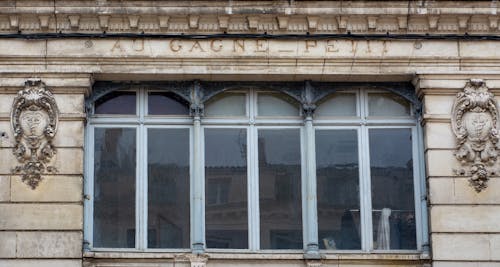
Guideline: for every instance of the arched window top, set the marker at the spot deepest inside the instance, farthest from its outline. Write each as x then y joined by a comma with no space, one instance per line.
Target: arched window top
252,102
338,104
228,103
363,103
167,103
387,104
130,102
276,104
255,100
117,102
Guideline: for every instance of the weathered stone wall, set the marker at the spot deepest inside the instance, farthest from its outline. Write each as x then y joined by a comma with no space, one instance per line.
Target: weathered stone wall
43,226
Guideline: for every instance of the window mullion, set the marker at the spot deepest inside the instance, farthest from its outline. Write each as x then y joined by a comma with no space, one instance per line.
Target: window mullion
253,178
253,191
142,177
309,196
365,191
198,218
142,195
365,178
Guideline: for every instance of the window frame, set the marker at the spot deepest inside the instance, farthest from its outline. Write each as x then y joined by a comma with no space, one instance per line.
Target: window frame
249,184
362,124
141,122
252,123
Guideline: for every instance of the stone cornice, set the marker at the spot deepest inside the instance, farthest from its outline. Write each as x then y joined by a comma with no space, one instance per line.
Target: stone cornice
272,17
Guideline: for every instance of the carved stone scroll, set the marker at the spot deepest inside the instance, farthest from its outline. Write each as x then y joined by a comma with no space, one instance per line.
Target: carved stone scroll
34,121
475,124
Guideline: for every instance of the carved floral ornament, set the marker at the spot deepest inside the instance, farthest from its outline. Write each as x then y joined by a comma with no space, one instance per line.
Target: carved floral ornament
475,124
34,121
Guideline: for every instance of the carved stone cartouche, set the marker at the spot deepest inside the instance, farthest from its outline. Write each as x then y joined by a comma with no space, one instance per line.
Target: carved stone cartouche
475,124
34,121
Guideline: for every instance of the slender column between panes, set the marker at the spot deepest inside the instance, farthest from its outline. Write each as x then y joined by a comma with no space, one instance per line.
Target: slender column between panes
141,189
142,176
365,192
253,191
311,213
198,220
253,178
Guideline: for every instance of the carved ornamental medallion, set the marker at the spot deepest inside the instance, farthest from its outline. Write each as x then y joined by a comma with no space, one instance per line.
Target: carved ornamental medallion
475,124
34,121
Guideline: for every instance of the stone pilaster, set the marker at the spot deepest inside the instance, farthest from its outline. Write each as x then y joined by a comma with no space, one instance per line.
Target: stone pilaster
43,225
464,229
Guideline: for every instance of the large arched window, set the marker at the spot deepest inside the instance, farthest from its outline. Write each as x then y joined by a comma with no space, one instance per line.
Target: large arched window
367,171
141,170
253,163
258,173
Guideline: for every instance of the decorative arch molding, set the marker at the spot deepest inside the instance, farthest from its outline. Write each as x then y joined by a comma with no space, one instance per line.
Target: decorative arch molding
321,90
102,88
291,89
475,124
307,93
34,120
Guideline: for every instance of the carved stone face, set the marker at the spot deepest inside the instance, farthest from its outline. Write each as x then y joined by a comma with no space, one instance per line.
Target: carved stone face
478,125
34,122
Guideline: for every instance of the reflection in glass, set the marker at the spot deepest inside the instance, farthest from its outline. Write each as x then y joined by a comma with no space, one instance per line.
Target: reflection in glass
276,104
226,188
279,189
391,168
114,187
168,188
387,104
167,103
338,189
116,103
338,104
226,104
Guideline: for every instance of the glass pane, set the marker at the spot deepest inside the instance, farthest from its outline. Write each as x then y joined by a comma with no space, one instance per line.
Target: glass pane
387,104
391,168
339,104
167,103
168,188
226,104
116,103
338,189
226,188
276,104
279,189
114,187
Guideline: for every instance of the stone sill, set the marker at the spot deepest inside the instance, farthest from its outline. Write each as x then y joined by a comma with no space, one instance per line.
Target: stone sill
263,255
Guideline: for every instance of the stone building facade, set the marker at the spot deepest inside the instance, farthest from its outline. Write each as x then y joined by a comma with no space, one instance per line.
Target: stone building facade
367,134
